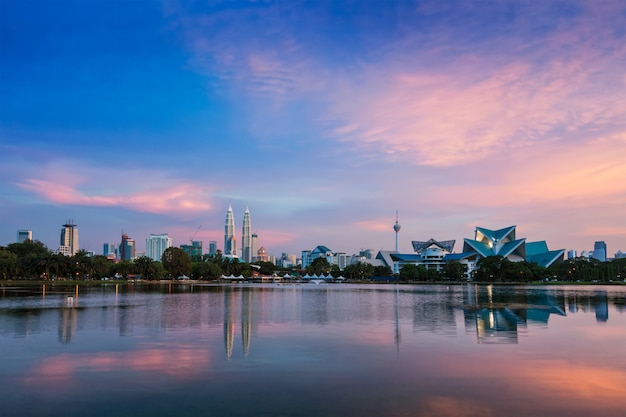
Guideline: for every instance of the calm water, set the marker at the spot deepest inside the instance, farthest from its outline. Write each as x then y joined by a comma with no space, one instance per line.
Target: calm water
313,350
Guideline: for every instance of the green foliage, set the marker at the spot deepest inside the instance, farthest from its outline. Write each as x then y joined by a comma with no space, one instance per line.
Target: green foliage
267,268
454,270
28,247
176,262
586,270
207,270
360,270
145,266
318,266
8,263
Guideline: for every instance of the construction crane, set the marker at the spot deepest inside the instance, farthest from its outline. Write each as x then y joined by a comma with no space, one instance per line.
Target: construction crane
194,235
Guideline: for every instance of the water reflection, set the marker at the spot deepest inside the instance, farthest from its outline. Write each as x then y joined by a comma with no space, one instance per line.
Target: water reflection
366,350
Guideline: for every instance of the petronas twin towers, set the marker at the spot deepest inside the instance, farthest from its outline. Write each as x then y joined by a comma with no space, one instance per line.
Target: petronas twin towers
230,242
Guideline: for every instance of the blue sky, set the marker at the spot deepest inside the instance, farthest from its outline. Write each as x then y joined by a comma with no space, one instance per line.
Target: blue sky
322,117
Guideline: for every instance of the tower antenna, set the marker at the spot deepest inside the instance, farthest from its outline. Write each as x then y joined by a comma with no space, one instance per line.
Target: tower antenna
396,228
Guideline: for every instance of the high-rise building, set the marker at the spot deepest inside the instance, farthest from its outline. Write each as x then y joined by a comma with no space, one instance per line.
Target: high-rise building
194,250
212,247
69,239
127,248
156,245
109,249
246,238
599,251
23,235
230,242
254,244
262,255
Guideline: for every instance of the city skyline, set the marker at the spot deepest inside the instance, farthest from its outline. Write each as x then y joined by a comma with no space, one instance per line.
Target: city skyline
324,117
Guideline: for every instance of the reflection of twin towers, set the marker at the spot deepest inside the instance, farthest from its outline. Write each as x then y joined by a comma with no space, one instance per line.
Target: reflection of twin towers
230,305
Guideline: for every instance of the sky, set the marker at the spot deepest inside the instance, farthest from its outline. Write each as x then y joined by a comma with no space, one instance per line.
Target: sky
324,118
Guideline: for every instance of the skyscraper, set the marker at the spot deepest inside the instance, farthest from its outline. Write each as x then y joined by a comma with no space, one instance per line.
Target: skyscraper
127,248
23,235
246,238
69,239
253,246
599,251
109,249
156,245
230,242
212,247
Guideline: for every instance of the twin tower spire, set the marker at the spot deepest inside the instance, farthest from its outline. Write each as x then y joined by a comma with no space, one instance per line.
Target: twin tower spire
230,241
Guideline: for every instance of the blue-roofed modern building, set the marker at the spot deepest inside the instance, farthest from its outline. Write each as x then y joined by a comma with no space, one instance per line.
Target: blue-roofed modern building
308,256
430,254
503,242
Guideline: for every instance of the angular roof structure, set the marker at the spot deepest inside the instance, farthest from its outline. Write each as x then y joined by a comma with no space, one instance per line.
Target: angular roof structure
503,242
538,253
500,242
446,245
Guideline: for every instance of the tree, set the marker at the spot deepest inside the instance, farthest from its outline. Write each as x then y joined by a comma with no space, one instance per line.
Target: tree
359,270
411,272
145,267
454,270
99,266
81,263
123,268
267,268
176,262
8,264
318,266
28,247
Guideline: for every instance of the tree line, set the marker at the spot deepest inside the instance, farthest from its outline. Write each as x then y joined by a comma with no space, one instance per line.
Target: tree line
33,260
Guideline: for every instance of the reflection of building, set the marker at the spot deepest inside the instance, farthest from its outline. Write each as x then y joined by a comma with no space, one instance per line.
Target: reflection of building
23,235
229,322
67,323
156,245
497,314
246,320
69,239
127,248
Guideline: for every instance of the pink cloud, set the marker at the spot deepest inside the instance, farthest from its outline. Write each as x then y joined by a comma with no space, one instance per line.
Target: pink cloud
183,197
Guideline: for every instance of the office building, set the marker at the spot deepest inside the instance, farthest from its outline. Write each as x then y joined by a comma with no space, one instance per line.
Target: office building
212,247
246,238
110,249
599,251
127,248
23,235
254,245
230,242
156,245
69,239
194,250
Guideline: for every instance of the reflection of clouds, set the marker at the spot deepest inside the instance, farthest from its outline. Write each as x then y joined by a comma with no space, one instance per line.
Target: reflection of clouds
454,407
181,362
575,382
566,384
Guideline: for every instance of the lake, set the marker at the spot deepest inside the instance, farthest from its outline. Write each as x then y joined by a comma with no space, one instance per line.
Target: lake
312,350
